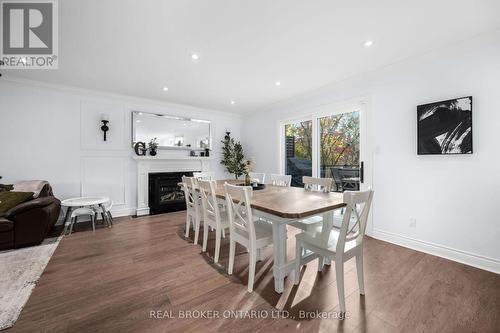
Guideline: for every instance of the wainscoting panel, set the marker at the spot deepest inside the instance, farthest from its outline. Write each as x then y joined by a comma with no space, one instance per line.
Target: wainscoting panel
106,176
91,134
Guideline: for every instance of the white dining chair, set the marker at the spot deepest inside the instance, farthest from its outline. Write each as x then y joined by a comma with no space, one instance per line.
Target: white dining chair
193,206
317,184
244,229
281,180
313,184
260,177
339,245
82,211
212,216
203,175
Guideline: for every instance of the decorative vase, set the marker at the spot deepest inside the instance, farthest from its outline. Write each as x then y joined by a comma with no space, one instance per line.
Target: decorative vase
248,181
152,152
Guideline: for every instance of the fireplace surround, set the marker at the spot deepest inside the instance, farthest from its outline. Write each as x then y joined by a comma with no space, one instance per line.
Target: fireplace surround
147,165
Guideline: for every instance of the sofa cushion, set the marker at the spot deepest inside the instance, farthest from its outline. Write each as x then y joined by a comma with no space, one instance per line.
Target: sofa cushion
11,199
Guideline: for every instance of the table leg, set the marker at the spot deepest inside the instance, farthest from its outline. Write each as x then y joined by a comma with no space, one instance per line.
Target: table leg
67,215
328,217
105,215
279,254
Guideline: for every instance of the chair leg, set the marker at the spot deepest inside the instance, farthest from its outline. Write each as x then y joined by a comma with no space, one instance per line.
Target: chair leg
187,225
327,261
298,254
321,263
259,255
223,233
217,245
359,268
196,230
232,248
110,217
339,269
251,270
205,237
71,225
92,220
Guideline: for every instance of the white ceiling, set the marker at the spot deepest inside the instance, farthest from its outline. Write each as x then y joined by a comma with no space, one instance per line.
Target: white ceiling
137,47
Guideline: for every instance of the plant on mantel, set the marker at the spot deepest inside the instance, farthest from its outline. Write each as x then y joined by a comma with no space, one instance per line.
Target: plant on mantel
153,146
232,156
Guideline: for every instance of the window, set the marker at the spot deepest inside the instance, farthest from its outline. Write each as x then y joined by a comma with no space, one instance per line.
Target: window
325,146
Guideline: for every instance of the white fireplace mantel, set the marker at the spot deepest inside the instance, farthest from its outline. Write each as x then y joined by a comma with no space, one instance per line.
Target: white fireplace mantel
153,164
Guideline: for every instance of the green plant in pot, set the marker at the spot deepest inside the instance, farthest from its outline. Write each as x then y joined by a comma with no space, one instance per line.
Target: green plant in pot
153,147
232,156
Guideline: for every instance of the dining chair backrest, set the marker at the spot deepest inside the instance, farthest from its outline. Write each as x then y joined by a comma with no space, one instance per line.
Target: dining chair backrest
239,210
358,206
317,184
259,176
209,200
190,193
281,180
203,175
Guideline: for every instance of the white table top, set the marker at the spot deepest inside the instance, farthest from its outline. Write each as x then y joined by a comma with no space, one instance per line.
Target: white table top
84,201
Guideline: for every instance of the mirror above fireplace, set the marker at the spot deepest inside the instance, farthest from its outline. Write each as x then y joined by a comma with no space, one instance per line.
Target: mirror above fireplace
171,132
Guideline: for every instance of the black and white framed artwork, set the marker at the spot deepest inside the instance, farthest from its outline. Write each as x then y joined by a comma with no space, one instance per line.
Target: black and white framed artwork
445,127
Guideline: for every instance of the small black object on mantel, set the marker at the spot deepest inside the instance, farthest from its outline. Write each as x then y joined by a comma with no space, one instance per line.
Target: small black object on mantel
192,153
207,152
140,148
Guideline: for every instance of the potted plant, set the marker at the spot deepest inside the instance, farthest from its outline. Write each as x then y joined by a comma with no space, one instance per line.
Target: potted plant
153,146
232,156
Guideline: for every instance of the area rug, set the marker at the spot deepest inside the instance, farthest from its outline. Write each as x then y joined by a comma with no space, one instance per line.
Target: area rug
20,271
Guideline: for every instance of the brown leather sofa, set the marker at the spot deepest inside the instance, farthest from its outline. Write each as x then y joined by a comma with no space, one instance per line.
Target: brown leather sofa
29,223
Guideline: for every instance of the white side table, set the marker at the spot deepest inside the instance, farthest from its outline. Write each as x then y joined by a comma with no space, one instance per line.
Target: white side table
74,203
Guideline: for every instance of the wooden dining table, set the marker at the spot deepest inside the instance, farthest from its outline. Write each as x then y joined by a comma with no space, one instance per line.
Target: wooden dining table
281,206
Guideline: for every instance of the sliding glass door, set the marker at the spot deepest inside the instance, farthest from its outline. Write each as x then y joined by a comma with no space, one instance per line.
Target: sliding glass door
339,150
327,144
298,151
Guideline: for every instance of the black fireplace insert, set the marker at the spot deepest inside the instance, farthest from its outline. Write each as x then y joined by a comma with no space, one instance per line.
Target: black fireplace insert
164,193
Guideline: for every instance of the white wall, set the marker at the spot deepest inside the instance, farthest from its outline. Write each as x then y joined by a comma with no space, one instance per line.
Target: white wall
53,133
455,199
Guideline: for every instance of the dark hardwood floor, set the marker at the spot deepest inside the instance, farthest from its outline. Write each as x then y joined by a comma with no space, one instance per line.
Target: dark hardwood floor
111,281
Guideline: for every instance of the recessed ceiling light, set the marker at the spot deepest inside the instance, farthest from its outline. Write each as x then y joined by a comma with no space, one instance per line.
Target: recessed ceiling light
277,83
140,113
137,121
195,56
233,102
165,88
368,43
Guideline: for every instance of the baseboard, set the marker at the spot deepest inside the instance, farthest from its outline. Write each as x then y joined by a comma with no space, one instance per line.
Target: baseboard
467,258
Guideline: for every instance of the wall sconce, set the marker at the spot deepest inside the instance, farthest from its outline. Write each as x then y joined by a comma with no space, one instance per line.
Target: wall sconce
104,127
